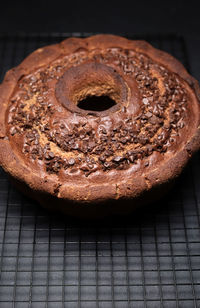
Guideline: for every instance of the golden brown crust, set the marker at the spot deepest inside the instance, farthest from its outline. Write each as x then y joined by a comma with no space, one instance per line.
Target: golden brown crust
132,186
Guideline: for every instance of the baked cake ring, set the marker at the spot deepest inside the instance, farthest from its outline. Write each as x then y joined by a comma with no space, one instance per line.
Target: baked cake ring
74,155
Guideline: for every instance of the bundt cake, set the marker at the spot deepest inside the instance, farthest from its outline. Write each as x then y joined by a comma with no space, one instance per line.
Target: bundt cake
97,125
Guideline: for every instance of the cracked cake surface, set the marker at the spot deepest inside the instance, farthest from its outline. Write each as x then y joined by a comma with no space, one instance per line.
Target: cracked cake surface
142,140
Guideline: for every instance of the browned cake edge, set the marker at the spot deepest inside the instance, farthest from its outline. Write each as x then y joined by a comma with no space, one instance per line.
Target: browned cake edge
139,187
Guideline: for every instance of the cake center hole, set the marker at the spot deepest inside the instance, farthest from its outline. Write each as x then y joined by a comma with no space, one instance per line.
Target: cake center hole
96,103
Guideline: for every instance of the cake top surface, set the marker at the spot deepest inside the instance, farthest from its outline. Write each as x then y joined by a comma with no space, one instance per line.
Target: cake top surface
102,113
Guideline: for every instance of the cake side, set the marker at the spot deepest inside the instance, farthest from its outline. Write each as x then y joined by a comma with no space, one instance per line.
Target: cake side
121,172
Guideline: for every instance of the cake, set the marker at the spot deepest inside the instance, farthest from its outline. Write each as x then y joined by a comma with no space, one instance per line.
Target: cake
99,125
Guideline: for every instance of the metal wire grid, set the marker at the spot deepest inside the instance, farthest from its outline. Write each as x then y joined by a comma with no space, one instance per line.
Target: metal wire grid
151,259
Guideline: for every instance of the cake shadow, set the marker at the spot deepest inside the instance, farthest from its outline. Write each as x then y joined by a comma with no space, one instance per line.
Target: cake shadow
145,215
66,235
141,215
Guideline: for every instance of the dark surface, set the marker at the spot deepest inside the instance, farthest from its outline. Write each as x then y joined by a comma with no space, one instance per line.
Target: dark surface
96,103
150,259
101,16
133,17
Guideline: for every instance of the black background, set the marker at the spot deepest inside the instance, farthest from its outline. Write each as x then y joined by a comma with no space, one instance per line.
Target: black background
164,243
101,16
118,17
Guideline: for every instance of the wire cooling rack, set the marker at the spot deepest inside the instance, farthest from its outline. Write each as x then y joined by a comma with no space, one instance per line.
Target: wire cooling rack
150,259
